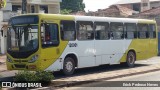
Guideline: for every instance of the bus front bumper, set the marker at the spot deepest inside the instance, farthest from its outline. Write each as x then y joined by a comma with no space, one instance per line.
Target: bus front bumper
21,66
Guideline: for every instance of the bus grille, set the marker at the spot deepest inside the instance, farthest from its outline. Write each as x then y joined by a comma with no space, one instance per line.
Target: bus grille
20,61
19,66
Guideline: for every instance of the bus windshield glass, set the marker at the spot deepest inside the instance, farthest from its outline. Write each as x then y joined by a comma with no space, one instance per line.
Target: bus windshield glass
22,38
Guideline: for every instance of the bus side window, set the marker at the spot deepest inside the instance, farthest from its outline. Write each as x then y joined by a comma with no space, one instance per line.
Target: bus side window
143,31
102,30
85,30
49,34
130,30
116,30
68,31
152,31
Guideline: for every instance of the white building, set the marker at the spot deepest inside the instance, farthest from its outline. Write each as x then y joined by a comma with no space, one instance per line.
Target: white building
145,5
136,4
13,7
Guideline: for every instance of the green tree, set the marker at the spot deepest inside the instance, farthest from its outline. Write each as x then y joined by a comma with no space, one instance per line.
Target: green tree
65,11
72,5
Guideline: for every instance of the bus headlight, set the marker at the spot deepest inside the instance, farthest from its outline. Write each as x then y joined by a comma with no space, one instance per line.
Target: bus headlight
9,59
33,59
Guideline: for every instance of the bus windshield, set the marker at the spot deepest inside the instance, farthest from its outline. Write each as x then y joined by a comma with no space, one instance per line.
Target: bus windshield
22,38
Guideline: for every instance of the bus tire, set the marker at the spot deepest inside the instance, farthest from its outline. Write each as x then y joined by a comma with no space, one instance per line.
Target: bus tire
131,58
68,66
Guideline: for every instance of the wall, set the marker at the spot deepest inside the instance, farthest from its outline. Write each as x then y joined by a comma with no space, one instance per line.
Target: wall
4,40
54,8
127,6
154,4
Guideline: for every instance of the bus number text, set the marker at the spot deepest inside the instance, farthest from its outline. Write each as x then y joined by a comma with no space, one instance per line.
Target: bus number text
72,44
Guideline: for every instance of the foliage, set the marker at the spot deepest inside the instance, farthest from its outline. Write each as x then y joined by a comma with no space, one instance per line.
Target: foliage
25,76
44,76
28,76
72,5
65,11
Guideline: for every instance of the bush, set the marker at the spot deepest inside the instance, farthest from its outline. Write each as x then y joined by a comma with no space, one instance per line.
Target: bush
44,77
25,76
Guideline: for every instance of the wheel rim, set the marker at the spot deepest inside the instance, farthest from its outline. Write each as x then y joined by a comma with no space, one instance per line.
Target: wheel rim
131,59
69,66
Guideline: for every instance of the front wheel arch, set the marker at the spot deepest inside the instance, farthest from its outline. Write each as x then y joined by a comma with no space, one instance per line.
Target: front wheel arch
68,66
132,50
74,57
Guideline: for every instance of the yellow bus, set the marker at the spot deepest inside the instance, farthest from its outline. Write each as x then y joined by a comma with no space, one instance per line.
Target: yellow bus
65,42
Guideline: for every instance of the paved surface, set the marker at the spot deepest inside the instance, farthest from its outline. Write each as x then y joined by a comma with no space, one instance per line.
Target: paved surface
150,64
97,73
4,73
2,63
153,76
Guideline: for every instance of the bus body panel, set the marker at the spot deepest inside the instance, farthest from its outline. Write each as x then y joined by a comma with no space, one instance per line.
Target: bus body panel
108,50
103,57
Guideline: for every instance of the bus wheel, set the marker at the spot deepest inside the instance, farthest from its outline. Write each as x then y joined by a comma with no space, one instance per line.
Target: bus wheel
68,66
131,58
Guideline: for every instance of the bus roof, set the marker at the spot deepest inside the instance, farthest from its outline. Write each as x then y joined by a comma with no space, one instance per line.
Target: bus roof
94,18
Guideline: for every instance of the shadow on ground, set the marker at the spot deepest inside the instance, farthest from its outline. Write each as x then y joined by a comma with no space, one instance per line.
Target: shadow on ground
94,70
85,71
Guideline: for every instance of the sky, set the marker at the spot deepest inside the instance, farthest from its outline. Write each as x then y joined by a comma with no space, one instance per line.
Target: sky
93,5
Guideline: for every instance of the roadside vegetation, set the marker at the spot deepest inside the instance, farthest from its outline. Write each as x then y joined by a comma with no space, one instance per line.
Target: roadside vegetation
71,6
43,77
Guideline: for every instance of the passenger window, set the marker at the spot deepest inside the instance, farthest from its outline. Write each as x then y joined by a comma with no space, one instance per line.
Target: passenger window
68,31
102,30
85,30
49,34
130,30
143,31
116,30
152,31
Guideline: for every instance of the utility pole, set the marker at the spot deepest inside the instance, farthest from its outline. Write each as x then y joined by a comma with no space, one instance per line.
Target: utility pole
1,4
24,6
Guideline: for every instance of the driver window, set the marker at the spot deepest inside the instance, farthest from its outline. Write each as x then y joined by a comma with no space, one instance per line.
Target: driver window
49,35
68,31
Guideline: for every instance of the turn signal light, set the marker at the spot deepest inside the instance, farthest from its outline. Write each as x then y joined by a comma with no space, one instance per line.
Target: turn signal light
32,67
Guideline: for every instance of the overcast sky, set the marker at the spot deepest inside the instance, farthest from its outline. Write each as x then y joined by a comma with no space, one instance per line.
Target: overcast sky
93,5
